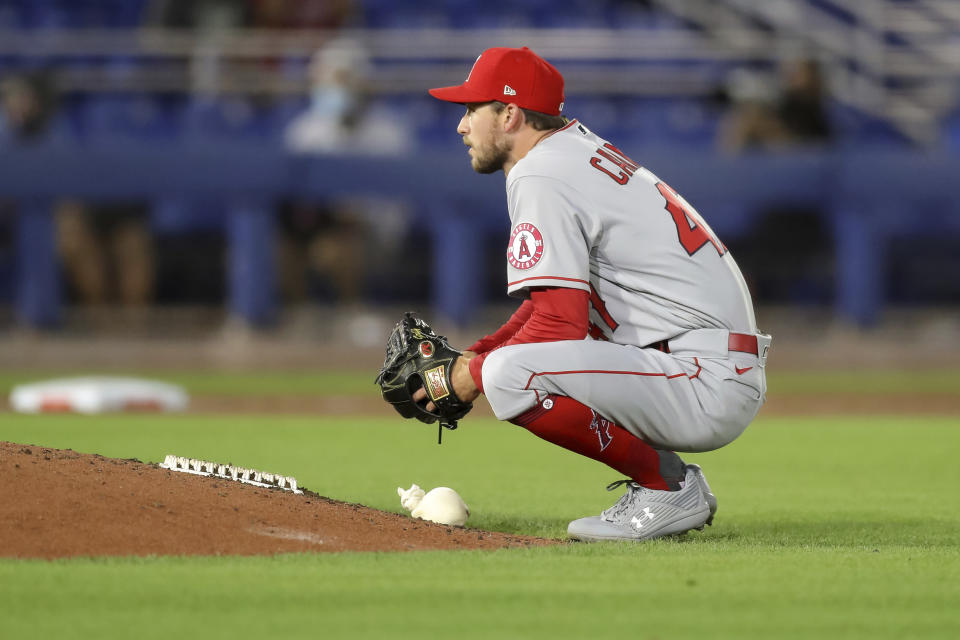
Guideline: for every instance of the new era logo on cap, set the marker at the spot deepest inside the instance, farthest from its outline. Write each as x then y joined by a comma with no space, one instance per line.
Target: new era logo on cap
530,81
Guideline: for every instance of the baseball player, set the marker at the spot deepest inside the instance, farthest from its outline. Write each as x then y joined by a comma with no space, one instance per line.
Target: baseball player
636,337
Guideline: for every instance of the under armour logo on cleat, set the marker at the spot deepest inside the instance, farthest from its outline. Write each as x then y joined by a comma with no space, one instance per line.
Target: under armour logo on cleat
637,521
509,91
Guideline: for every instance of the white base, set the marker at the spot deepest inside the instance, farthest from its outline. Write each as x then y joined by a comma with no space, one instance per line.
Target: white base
97,394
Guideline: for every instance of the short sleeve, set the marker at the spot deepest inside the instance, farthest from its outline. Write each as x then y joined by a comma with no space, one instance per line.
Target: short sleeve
550,241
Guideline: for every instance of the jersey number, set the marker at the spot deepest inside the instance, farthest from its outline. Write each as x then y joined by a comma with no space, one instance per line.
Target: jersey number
596,332
691,229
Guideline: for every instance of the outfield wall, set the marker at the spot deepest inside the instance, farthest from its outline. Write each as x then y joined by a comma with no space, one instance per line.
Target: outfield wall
868,200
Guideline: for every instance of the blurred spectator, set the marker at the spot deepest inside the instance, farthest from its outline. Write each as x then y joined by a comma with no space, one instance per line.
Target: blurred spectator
105,249
340,239
213,15
300,14
801,107
27,108
98,245
765,117
341,116
107,253
204,15
26,111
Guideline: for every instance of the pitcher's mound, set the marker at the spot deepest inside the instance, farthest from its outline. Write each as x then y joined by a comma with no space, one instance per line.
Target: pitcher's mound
63,503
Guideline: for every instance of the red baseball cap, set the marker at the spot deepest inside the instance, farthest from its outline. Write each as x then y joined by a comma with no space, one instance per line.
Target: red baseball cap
517,76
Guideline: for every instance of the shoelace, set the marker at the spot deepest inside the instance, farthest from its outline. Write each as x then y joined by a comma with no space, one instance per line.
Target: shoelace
633,490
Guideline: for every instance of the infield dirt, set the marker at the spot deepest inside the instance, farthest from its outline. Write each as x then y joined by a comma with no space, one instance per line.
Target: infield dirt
61,503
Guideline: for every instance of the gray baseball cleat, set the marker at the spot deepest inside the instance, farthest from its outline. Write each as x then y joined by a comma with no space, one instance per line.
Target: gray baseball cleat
643,514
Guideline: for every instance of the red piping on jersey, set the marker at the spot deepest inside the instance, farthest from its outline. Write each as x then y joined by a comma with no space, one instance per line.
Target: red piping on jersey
510,284
622,373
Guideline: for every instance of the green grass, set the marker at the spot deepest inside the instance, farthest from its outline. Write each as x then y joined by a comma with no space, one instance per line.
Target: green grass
361,382
661,590
828,528
871,382
231,383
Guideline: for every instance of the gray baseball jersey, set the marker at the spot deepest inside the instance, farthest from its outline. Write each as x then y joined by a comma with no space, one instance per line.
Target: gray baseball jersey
584,215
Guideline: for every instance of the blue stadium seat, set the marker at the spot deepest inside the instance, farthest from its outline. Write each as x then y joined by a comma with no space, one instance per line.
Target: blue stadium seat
173,215
434,122
73,14
855,129
115,118
599,114
232,117
10,17
45,14
123,13
951,132
281,112
687,122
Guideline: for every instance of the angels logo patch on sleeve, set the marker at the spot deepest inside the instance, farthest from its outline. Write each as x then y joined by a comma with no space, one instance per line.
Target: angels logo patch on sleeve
526,246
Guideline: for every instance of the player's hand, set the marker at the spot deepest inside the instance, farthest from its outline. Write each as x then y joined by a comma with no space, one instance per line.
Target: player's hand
463,385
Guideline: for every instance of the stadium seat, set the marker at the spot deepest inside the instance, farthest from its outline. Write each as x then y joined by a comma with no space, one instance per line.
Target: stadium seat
231,117
687,122
125,117
598,114
951,132
855,129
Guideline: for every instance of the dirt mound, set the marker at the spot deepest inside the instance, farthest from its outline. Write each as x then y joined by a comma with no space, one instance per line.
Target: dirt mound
63,503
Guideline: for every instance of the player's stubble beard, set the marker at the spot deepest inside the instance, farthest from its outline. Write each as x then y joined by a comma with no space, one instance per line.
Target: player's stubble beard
490,157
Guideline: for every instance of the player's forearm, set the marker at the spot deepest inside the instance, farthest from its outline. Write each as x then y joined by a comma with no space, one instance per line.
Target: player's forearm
504,333
462,378
555,314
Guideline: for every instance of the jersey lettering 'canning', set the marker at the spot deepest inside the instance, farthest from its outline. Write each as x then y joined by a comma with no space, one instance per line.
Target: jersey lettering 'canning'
609,152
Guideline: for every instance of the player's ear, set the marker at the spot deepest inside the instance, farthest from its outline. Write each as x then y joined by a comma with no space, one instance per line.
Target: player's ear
513,117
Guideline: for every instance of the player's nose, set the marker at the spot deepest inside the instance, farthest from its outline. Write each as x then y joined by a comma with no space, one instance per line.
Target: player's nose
462,127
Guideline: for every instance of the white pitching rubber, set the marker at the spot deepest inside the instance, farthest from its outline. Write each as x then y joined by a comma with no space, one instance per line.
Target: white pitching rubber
230,472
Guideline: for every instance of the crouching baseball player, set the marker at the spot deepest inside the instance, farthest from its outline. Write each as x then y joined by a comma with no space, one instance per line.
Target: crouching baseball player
636,337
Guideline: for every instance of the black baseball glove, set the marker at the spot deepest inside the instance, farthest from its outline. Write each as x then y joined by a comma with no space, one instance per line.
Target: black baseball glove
418,357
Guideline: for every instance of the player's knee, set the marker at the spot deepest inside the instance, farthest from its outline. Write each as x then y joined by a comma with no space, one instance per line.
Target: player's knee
502,383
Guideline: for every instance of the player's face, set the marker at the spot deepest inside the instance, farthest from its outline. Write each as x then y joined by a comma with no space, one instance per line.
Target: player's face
481,130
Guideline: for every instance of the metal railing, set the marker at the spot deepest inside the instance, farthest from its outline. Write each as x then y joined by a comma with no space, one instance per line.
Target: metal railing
899,61
612,62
